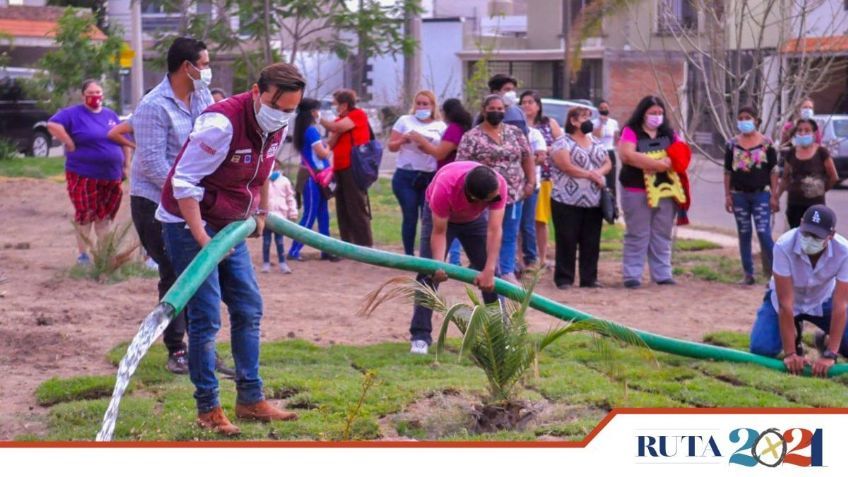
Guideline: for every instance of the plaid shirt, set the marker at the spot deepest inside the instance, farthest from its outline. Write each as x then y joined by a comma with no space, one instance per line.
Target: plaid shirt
161,125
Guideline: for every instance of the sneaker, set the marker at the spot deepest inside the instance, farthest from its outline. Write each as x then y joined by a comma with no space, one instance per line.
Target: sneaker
263,411
667,281
84,260
748,280
217,421
330,258
595,284
285,269
632,284
151,264
222,368
419,347
178,363
266,267
563,286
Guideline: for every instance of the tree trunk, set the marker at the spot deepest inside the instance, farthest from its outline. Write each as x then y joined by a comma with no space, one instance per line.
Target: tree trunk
412,59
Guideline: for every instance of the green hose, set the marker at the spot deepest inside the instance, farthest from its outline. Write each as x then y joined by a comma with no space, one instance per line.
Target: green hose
195,274
208,258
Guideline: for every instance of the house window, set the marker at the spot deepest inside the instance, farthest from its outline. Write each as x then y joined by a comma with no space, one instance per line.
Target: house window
21,2
676,15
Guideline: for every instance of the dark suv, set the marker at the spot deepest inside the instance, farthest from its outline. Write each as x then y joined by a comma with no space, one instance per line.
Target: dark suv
22,122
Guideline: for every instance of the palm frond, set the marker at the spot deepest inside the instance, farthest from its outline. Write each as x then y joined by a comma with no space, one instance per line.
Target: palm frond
456,316
476,320
402,288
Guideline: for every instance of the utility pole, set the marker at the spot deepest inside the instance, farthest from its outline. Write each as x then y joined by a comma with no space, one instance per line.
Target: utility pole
412,60
266,39
566,30
137,44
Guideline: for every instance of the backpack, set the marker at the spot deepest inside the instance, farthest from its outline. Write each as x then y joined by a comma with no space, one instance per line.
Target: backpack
365,161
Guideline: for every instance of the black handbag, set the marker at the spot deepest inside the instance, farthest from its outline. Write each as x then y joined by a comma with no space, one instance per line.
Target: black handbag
608,205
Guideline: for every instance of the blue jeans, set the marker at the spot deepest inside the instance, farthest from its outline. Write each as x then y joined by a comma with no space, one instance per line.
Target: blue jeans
266,246
745,206
765,335
455,253
409,187
509,242
234,282
315,207
528,229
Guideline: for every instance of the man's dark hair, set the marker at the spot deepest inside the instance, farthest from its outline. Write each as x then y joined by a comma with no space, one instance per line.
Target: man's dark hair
285,76
480,182
184,49
497,82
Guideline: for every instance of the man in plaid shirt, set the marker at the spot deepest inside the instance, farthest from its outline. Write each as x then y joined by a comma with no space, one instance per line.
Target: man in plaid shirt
161,125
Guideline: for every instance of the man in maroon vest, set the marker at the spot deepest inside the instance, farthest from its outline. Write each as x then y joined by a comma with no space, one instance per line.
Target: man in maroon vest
219,177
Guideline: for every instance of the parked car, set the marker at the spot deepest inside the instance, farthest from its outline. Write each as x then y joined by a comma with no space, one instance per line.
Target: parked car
834,130
558,108
21,120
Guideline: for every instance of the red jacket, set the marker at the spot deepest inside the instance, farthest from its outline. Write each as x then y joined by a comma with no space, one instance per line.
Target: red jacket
231,193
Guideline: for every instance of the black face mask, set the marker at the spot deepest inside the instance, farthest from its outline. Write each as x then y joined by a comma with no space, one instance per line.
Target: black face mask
494,117
603,112
587,127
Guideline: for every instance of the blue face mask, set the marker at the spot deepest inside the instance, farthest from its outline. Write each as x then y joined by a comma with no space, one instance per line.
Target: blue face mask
423,114
746,126
803,139
275,175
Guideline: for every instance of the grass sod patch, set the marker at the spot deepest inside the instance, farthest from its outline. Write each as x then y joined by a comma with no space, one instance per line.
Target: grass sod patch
57,390
322,384
35,167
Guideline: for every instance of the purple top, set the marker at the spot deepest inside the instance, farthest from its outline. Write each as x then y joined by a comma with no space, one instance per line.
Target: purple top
95,156
452,134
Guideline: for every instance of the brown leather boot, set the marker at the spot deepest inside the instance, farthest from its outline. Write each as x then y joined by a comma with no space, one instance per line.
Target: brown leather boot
263,411
217,421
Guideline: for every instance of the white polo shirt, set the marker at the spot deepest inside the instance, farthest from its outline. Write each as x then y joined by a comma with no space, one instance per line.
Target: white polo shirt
812,286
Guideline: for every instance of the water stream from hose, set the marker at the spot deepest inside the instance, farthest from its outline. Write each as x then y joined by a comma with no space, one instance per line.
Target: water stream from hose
152,326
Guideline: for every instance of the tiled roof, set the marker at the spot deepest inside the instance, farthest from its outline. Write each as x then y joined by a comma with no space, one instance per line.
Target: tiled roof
819,44
35,22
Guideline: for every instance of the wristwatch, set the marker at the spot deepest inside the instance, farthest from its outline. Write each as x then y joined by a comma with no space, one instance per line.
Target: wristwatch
828,354
261,212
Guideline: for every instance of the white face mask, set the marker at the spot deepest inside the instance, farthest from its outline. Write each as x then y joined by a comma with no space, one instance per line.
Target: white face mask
812,245
205,78
806,113
271,119
510,98
423,114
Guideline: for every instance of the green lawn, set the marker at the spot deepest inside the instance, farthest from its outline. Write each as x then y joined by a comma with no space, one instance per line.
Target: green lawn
323,384
37,167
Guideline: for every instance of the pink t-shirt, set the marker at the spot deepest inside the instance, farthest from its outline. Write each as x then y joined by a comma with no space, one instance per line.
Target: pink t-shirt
446,194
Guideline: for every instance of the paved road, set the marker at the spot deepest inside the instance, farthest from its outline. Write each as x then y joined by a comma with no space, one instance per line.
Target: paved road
708,201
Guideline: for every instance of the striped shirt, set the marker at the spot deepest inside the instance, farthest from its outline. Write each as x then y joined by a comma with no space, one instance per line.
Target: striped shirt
161,125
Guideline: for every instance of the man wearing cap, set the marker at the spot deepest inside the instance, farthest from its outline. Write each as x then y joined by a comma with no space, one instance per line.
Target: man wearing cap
809,283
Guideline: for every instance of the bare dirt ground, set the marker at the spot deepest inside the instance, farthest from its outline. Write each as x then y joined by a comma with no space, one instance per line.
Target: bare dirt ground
54,325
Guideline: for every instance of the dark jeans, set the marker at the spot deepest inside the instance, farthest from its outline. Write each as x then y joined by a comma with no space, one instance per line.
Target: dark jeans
528,229
409,187
150,234
266,246
234,282
576,227
748,205
472,236
794,212
353,210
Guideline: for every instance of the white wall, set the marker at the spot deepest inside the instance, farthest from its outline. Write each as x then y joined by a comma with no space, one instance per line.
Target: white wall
828,18
324,72
441,67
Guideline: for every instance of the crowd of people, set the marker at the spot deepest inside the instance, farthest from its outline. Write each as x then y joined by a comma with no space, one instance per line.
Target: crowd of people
487,183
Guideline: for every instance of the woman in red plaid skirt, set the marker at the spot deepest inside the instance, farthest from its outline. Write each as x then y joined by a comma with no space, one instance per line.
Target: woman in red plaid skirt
94,166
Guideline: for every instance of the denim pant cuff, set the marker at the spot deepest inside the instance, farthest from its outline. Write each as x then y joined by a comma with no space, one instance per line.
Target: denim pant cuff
206,405
248,397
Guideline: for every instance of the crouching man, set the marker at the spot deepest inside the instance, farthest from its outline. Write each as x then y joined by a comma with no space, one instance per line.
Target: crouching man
221,176
809,283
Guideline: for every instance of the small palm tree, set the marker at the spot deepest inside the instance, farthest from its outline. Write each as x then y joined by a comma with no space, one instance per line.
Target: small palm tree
111,253
495,339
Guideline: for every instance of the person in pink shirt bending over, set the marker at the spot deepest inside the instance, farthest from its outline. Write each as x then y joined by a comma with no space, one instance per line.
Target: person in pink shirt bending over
465,201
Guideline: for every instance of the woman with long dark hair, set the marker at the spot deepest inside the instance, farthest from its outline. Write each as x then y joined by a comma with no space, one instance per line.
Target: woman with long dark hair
537,208
313,158
649,224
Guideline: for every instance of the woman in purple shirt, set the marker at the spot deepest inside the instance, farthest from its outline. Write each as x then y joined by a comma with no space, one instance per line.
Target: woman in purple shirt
94,165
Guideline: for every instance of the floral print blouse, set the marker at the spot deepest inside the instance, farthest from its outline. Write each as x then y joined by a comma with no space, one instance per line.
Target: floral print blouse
505,158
